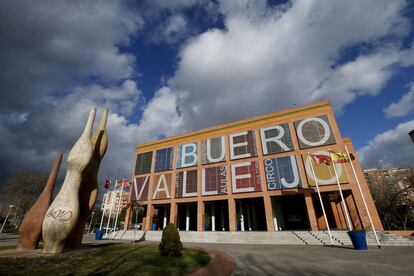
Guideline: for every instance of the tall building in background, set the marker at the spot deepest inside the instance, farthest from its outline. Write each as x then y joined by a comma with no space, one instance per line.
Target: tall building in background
258,174
113,199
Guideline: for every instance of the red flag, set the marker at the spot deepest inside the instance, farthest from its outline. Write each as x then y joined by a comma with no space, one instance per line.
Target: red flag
106,184
340,157
321,158
126,183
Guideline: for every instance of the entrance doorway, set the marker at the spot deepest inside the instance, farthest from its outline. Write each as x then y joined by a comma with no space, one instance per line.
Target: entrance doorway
250,214
289,213
161,217
187,216
216,215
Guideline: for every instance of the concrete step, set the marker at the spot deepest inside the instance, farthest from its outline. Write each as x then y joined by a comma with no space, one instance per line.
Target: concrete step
340,238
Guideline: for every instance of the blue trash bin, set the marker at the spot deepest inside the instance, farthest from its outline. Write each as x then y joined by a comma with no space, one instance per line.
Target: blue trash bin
358,239
154,227
98,234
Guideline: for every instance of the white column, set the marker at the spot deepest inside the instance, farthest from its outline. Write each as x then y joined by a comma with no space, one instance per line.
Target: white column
275,224
187,218
241,217
222,217
249,218
165,217
213,218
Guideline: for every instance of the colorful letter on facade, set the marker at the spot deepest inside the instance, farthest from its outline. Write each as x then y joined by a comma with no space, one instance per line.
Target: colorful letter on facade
246,177
242,145
213,150
314,131
164,159
143,163
214,181
139,190
276,139
187,155
325,174
282,173
186,184
162,184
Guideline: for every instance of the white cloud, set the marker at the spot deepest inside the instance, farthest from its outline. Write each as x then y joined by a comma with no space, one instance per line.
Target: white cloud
53,45
403,107
172,30
271,58
392,148
31,141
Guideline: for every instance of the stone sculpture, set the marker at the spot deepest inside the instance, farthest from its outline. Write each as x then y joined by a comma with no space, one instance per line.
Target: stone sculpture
63,214
88,191
31,227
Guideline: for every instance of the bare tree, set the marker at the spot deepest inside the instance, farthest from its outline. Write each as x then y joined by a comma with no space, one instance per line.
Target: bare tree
22,190
394,203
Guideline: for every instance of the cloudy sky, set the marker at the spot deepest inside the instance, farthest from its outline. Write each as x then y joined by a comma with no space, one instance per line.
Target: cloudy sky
166,67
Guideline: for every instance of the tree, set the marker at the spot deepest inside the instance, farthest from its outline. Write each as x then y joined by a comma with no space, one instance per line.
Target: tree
170,242
22,190
395,203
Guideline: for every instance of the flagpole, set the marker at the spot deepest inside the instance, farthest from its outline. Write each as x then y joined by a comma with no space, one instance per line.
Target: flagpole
110,210
119,206
363,198
104,208
340,192
320,199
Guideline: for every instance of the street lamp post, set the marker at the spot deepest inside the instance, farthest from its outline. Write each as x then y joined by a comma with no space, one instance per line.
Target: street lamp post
7,216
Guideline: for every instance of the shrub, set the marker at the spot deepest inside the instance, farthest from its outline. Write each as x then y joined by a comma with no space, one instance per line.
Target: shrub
170,242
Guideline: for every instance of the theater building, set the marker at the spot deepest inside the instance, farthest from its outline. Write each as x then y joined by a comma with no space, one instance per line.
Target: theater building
252,175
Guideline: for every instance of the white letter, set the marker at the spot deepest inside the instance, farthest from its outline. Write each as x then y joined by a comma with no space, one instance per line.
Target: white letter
163,189
203,184
234,178
295,175
331,180
232,146
275,139
138,196
192,153
306,141
223,151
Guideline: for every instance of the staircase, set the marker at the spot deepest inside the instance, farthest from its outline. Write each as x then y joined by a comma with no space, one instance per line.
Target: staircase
340,238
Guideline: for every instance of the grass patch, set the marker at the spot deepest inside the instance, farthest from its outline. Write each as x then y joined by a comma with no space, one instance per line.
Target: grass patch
119,259
7,247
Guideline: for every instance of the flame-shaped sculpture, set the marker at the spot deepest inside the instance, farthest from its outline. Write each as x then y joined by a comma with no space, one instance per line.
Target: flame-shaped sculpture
63,214
88,191
31,227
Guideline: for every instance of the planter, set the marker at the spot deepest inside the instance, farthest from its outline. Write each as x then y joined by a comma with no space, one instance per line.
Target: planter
358,239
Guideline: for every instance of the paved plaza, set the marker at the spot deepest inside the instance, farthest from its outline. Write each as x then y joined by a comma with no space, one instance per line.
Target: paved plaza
317,260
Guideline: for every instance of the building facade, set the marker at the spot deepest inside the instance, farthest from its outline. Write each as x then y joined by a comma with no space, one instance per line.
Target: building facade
112,199
252,175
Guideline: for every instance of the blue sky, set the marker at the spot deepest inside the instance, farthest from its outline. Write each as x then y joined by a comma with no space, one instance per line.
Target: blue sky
167,67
